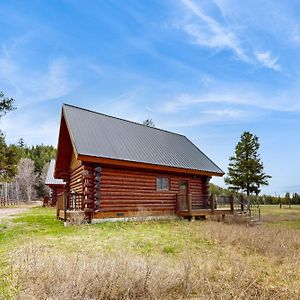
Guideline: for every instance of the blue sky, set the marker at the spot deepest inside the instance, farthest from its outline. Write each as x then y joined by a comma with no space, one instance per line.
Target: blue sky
206,69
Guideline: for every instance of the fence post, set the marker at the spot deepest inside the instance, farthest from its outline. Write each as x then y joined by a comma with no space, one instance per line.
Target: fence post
242,204
212,204
231,199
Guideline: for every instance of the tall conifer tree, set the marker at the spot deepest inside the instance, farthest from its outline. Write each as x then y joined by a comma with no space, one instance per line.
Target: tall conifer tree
6,104
8,154
246,170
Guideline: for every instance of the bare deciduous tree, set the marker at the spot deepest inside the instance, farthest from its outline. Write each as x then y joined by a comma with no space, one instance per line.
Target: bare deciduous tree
26,177
42,179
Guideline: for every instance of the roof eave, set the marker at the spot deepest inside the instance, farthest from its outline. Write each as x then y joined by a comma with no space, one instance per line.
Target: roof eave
55,184
147,166
58,170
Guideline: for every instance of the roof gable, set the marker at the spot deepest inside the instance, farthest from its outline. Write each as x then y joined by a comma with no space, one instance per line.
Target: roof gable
50,180
98,135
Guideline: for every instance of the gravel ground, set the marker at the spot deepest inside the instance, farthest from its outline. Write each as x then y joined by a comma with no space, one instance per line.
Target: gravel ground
9,212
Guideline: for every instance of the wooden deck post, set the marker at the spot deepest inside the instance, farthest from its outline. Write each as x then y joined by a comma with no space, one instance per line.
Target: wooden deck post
212,204
190,204
65,208
57,210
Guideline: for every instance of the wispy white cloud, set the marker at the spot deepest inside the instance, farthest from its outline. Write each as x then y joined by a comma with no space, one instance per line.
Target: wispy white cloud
206,31
295,34
204,117
57,81
243,96
125,105
31,85
226,113
268,60
34,126
206,79
277,18
187,101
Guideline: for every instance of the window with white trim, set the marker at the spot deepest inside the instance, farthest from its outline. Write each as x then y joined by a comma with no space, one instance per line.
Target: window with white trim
162,184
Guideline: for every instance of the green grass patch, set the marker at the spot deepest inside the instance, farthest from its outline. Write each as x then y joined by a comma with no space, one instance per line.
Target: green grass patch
275,210
158,237
284,217
263,246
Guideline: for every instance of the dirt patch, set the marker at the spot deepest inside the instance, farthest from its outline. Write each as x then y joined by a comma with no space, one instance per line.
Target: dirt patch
10,212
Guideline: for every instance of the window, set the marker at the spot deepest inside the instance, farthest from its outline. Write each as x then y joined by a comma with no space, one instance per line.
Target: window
162,183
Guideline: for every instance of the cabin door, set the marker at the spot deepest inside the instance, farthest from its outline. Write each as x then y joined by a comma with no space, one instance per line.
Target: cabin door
183,193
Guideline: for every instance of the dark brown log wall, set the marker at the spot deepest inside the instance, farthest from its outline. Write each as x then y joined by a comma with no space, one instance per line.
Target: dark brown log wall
55,190
76,180
88,179
82,182
126,190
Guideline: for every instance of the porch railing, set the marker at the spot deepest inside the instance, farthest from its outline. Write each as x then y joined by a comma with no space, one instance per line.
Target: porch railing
76,201
248,206
194,201
69,202
226,202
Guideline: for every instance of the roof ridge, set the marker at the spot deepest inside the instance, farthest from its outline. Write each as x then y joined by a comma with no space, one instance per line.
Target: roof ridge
121,119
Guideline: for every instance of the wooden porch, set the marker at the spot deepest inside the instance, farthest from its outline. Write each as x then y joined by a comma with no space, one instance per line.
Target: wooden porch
67,204
192,205
203,212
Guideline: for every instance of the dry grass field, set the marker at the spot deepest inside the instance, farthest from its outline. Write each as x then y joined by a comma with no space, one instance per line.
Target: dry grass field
41,259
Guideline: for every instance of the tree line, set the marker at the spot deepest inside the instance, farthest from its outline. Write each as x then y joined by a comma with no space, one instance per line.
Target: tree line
287,199
23,168
28,170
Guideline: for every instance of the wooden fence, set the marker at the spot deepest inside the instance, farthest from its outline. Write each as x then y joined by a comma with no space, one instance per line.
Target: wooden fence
8,202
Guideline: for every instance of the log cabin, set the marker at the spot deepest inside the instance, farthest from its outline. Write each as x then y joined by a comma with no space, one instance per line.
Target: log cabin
115,168
57,186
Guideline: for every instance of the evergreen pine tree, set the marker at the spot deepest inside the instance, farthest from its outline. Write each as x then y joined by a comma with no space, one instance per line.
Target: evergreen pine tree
8,159
21,143
246,170
6,104
149,123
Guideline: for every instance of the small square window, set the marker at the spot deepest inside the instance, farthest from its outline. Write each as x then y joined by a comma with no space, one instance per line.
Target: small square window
162,183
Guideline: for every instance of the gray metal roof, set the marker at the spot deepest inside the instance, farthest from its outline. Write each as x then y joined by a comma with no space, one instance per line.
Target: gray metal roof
100,135
50,180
